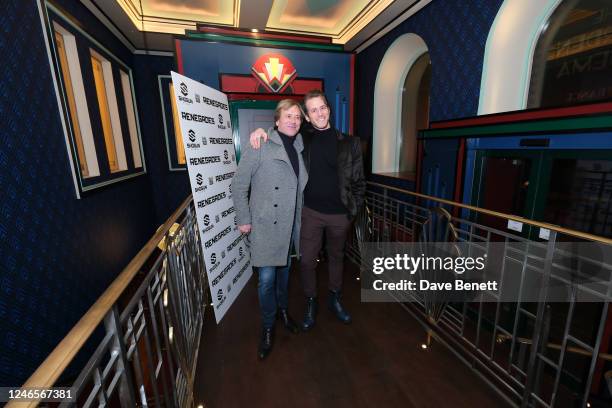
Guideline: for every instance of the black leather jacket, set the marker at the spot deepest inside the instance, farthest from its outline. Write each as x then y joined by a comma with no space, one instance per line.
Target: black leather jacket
351,180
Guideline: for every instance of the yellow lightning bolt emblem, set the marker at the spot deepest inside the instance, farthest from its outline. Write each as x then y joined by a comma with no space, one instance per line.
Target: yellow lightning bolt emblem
274,68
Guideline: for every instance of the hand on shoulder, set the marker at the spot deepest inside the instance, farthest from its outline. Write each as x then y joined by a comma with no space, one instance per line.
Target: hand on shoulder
256,137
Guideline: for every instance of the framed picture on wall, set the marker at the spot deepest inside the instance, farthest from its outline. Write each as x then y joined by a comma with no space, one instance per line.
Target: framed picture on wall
97,103
172,131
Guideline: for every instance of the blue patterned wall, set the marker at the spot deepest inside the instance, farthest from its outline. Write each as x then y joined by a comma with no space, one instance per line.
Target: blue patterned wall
455,33
57,253
170,187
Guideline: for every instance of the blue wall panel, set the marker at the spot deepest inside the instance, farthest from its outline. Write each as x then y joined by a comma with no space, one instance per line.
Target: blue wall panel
204,61
439,164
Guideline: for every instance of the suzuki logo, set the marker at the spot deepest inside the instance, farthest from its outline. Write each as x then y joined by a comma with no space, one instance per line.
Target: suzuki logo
220,119
220,294
199,179
192,135
213,258
184,90
206,220
225,154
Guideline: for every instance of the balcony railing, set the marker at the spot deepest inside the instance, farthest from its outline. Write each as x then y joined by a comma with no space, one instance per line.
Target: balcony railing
535,353
151,321
146,327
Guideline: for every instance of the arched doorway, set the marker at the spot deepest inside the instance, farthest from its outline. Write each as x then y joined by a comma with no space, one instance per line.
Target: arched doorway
388,137
509,53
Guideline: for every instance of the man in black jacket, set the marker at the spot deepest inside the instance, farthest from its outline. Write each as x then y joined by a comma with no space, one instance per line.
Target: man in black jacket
330,203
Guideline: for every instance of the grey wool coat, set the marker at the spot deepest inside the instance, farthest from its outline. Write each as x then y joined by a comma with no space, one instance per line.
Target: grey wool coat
274,207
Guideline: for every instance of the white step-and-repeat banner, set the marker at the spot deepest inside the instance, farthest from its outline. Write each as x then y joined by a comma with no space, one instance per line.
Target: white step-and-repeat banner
211,162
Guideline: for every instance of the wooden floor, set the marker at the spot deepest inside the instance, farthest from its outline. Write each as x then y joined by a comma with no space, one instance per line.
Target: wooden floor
376,361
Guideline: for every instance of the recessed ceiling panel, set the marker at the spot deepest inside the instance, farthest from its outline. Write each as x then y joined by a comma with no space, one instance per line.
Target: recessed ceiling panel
325,17
211,11
339,20
175,16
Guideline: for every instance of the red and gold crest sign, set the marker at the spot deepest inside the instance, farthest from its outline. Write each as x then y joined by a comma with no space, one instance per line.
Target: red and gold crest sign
274,71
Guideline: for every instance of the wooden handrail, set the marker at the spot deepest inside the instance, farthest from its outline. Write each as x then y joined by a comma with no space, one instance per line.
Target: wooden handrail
54,365
566,231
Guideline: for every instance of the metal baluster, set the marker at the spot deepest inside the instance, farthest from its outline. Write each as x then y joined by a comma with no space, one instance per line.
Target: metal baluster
126,386
160,358
135,355
566,331
602,323
544,343
149,357
166,329
536,341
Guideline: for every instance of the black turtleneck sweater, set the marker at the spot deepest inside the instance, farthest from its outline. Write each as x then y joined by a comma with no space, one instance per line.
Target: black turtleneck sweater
293,158
322,191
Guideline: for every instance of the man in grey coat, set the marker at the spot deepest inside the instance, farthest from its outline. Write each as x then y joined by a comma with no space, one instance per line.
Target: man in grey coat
333,196
276,176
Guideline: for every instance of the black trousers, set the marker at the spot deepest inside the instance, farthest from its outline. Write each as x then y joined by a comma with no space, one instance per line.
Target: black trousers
314,225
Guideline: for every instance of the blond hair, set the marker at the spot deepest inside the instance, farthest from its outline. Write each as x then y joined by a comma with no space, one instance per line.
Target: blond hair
287,104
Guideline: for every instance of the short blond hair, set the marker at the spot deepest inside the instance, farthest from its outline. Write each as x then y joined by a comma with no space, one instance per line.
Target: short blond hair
287,104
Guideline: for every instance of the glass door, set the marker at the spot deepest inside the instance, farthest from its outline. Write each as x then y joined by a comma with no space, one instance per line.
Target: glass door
504,183
569,188
576,191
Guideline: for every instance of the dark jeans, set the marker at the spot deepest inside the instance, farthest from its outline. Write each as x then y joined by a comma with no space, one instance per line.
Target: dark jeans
314,225
272,291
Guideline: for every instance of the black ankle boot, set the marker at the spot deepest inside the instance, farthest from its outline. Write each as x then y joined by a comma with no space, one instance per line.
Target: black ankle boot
265,344
311,313
336,307
288,321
